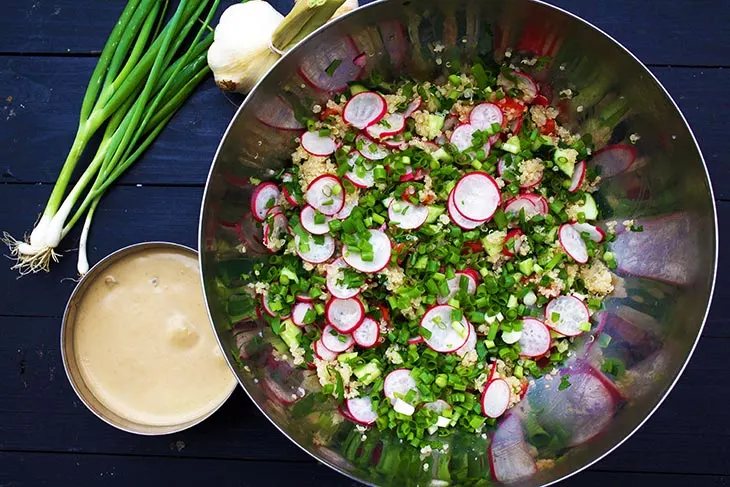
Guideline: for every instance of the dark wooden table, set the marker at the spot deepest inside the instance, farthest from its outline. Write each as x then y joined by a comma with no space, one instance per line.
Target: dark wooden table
48,49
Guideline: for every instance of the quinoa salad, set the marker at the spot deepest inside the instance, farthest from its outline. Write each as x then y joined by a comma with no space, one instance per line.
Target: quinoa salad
434,249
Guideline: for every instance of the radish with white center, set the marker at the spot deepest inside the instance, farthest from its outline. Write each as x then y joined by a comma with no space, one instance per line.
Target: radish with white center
274,230
539,201
313,252
444,333
572,243
299,312
335,274
307,217
361,410
364,109
594,233
390,125
396,142
334,340
567,315
477,196
579,175
270,311
291,198
463,135
322,352
471,342
535,340
351,202
415,340
458,218
263,198
367,334
407,216
326,194
514,237
371,150
359,175
413,106
318,145
614,159
495,398
516,205
484,115
454,285
527,85
345,315
399,383
304,298
381,252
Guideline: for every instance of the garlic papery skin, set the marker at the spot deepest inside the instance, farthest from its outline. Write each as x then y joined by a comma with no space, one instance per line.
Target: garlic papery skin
240,53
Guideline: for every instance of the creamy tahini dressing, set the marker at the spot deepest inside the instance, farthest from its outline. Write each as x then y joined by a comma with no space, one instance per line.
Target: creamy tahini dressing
144,343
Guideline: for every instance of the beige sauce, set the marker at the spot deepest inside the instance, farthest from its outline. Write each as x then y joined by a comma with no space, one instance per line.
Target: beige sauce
144,343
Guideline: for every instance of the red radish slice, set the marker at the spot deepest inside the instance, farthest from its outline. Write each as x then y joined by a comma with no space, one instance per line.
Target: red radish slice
334,340
381,254
415,340
276,229
360,60
512,234
292,199
361,410
317,71
539,201
515,125
278,114
527,85
318,145
509,456
579,175
313,252
371,150
495,398
444,336
345,413
274,210
542,101
473,273
365,109
344,314
367,334
267,307
520,203
390,125
471,342
326,194
462,137
458,218
476,196
350,203
595,233
454,283
406,215
569,313
614,159
365,180
413,106
501,167
322,352
573,243
299,311
396,142
484,115
306,217
399,382
535,340
304,298
334,274
261,199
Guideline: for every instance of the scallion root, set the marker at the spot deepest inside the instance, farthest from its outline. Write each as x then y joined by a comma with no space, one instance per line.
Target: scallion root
29,259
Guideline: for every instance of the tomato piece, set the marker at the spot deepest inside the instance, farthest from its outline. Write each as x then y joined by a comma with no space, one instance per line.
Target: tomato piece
473,247
541,100
327,113
548,128
511,109
407,193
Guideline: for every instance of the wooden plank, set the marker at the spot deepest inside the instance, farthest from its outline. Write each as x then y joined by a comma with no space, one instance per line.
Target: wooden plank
693,28
40,412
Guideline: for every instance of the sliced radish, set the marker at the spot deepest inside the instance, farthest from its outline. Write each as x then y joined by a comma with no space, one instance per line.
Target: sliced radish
313,252
317,70
291,198
361,410
572,243
476,196
458,218
527,85
334,340
263,198
371,150
535,340
515,125
283,314
360,60
520,203
539,201
365,109
299,311
406,215
579,175
350,204
362,176
396,142
614,159
454,285
595,233
471,342
462,137
322,352
484,115
381,254
344,314
392,124
413,106
566,314
326,194
318,145
335,272
415,340
304,298
495,398
367,334
306,217
399,382
275,228
509,455
512,234
445,337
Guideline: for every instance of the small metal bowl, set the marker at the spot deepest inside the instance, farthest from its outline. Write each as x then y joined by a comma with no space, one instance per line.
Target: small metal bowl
68,356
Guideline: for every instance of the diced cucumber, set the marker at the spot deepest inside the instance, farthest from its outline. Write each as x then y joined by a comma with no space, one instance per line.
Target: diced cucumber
512,145
345,357
526,266
441,155
434,212
367,373
435,125
290,333
564,161
356,88
512,301
590,209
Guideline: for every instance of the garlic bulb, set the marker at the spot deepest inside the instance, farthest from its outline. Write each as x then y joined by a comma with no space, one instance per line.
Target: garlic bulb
240,53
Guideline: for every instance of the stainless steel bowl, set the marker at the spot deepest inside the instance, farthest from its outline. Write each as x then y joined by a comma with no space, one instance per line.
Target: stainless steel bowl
666,275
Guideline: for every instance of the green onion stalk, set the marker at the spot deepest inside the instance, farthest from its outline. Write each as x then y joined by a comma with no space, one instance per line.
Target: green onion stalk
144,74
